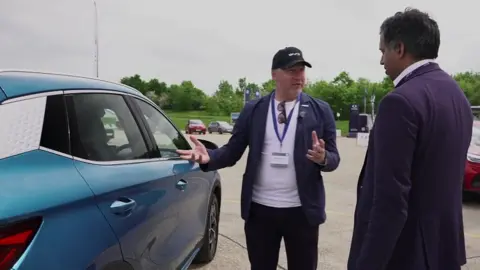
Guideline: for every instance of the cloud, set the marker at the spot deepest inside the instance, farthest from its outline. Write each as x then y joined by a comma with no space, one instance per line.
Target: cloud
207,41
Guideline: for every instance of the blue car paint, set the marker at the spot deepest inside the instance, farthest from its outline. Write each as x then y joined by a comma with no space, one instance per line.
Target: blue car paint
16,84
194,198
41,182
170,220
71,197
144,231
2,95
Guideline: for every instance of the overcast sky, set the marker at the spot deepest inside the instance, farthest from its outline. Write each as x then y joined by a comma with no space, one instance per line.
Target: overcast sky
210,40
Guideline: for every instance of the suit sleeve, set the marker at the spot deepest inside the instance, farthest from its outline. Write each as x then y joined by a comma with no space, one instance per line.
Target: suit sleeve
230,153
395,132
330,138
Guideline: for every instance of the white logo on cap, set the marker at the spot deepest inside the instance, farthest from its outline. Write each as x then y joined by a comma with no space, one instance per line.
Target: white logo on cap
292,54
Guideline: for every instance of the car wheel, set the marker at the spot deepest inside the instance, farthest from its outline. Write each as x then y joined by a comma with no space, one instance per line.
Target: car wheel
210,238
220,132
468,196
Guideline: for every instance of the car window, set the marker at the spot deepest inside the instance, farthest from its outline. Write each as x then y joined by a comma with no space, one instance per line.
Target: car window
55,125
196,122
104,129
167,137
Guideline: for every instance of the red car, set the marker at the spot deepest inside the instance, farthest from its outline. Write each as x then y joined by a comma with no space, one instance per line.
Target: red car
471,182
195,126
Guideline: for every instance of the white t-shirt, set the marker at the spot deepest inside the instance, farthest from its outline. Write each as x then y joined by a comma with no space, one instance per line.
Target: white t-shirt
277,186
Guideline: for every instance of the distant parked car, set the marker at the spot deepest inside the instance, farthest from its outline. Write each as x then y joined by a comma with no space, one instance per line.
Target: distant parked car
195,126
220,127
73,198
471,184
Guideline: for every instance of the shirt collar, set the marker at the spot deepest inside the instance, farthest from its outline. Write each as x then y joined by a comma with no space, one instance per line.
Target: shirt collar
410,69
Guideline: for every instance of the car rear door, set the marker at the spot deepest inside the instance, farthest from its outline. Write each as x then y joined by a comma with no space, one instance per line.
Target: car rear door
136,194
195,184
38,179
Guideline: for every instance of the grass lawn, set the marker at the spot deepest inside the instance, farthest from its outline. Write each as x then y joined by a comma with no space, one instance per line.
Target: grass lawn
180,119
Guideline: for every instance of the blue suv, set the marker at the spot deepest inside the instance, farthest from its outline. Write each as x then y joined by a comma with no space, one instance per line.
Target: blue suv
90,179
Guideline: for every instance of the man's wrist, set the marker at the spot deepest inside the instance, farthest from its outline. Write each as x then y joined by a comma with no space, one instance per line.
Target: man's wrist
324,163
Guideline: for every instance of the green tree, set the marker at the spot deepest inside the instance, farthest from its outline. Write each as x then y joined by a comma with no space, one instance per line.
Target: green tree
136,82
267,87
340,92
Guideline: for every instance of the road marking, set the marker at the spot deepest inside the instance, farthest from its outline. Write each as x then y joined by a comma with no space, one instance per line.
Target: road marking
471,235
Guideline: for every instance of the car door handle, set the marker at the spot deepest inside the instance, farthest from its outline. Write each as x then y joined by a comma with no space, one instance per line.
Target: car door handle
123,206
182,184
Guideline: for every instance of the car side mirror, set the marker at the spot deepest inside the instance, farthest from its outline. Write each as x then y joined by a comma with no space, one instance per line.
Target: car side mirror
208,144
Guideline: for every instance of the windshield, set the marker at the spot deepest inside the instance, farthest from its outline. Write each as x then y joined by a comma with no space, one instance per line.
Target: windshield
196,122
223,123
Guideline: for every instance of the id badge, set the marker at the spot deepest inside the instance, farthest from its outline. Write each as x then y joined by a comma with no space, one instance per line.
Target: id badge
279,159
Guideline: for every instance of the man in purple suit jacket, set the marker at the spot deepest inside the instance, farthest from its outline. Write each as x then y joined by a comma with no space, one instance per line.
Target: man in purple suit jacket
409,198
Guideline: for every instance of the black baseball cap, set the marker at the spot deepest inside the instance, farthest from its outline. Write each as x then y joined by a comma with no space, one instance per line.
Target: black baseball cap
288,57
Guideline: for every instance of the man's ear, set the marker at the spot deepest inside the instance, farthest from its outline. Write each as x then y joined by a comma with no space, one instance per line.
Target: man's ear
399,48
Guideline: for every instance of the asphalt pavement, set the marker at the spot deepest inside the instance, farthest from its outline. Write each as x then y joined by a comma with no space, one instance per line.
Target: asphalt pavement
335,234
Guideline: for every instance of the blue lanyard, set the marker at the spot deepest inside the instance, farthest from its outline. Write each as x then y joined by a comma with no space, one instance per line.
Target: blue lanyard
287,122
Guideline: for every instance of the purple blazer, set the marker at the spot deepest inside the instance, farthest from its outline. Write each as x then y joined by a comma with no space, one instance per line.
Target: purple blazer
409,198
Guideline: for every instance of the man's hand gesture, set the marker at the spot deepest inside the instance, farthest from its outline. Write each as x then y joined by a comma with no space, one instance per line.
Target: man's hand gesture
317,153
198,153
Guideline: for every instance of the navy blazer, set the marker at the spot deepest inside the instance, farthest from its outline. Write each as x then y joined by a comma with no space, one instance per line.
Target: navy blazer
249,130
409,196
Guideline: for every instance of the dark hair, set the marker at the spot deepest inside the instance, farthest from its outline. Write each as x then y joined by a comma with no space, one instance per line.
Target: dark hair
416,30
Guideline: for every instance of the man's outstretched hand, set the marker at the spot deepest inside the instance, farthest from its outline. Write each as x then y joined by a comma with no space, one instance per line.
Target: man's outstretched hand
198,153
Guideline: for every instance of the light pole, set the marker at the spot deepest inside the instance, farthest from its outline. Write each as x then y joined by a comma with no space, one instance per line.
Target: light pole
96,36
246,96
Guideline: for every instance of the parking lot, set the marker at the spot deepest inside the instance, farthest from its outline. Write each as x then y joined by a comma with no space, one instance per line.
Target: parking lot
334,234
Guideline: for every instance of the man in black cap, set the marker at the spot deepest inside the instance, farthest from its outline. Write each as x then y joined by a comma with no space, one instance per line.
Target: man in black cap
292,139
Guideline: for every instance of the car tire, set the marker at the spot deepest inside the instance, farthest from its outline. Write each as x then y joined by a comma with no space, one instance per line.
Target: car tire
220,132
468,196
210,239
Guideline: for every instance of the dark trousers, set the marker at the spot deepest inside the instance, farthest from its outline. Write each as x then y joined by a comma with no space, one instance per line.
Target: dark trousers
264,230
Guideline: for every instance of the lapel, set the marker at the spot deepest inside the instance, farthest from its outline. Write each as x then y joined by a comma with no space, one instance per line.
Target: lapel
259,123
305,115
419,71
